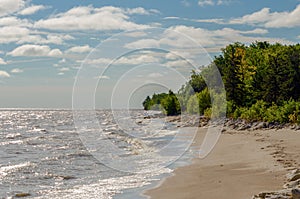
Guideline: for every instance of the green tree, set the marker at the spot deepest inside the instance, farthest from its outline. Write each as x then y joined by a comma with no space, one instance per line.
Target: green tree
147,103
204,100
197,82
230,64
193,104
171,104
277,84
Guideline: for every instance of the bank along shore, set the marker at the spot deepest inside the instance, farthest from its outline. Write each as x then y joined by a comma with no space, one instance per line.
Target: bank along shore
251,160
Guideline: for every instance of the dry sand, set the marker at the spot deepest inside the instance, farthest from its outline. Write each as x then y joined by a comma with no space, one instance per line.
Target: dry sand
243,163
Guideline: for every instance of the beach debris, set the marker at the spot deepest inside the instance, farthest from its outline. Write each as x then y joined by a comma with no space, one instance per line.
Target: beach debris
21,195
296,193
61,177
291,189
294,175
292,184
273,195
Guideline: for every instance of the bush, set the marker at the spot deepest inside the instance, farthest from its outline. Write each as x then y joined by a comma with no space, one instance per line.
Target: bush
171,104
295,117
199,102
255,113
273,114
193,105
288,112
288,108
237,113
204,100
208,112
231,107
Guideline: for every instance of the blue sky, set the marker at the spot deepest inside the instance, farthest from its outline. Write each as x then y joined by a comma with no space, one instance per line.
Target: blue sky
43,44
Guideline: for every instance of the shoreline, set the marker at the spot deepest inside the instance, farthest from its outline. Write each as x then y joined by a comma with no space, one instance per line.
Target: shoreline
234,169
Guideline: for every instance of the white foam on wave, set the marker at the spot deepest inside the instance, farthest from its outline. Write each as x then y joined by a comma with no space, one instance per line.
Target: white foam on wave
106,188
5,170
11,142
13,135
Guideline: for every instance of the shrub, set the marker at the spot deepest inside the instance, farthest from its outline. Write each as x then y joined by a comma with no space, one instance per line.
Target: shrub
256,112
204,100
287,112
219,104
208,112
193,105
231,107
294,117
237,112
171,104
273,114
288,108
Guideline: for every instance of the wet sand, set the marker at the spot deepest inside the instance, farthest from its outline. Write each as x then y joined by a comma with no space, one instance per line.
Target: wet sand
243,163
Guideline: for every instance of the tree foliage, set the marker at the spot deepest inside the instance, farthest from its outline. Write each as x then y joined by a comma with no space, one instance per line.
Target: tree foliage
167,103
262,82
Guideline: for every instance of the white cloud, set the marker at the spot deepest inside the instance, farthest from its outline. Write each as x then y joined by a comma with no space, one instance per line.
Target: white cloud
35,50
203,36
222,37
62,61
269,19
12,34
255,31
136,34
138,59
55,39
79,49
60,73
263,18
102,77
54,53
89,18
64,69
2,62
206,2
176,63
223,2
32,9
20,35
211,40
14,21
11,6
140,11
17,70
155,75
143,43
4,74
217,21
100,61
185,3
203,3
173,17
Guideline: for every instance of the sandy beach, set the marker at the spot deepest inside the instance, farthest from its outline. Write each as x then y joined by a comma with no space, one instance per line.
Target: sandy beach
242,164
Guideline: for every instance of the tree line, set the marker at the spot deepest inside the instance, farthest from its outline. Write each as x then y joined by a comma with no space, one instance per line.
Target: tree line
262,82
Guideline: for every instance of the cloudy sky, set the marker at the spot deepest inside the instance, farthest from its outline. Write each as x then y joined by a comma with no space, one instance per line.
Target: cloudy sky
43,44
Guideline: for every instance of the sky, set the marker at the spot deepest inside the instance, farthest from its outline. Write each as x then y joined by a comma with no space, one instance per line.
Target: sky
104,54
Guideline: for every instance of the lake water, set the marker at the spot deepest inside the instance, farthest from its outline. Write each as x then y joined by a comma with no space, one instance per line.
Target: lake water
42,153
